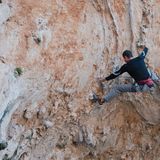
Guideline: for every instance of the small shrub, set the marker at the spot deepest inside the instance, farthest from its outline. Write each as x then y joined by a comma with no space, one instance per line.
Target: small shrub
3,145
18,71
37,40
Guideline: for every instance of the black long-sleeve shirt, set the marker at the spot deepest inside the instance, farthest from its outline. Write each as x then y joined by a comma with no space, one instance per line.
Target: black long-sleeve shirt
136,68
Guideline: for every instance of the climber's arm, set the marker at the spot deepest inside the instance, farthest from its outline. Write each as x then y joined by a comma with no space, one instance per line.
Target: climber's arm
143,53
115,74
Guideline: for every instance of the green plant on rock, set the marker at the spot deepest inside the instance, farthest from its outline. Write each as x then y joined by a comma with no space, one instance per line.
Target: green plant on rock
3,145
18,71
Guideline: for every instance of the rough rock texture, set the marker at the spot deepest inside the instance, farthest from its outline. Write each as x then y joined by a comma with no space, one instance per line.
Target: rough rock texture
51,52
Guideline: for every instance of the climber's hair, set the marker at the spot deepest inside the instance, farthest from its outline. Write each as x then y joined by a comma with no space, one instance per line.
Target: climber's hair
127,53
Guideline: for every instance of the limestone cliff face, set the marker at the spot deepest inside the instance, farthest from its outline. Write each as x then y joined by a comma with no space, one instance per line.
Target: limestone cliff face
51,52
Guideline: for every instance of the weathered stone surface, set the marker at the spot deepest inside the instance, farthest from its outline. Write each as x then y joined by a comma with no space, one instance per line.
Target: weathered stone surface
61,47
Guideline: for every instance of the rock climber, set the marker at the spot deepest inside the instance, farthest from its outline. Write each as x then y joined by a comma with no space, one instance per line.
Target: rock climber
137,69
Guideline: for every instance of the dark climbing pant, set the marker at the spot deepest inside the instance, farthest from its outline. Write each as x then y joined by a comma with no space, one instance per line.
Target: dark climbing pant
126,88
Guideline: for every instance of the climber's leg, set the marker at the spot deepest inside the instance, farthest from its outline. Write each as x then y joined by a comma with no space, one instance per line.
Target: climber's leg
118,90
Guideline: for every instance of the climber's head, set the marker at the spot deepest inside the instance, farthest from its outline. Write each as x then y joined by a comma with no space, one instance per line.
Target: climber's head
127,55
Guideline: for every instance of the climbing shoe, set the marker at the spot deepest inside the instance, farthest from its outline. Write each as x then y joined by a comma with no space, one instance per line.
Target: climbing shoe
100,101
95,98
